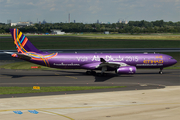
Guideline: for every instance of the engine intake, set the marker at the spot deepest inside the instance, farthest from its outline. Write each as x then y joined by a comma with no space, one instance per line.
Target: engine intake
126,70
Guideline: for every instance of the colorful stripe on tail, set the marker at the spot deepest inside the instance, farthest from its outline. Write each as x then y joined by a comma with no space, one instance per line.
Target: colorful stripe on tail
26,49
22,43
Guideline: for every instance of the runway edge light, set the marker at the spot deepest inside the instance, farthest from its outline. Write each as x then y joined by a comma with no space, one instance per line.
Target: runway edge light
36,87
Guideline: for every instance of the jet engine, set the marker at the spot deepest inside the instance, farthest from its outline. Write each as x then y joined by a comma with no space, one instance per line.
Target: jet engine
126,70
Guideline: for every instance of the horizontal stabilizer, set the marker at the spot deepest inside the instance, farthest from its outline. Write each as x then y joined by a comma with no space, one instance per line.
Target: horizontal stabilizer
19,55
25,57
9,53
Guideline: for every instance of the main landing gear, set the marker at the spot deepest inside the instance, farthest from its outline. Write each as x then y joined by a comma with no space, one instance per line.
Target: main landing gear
94,73
90,72
160,72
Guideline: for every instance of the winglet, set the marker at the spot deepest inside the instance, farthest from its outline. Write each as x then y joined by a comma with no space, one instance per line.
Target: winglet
102,60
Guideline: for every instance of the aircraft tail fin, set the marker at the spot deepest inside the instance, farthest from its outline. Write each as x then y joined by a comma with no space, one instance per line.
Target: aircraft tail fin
22,43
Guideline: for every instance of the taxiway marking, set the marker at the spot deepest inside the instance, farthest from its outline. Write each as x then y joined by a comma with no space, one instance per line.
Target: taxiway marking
57,114
71,77
41,109
66,76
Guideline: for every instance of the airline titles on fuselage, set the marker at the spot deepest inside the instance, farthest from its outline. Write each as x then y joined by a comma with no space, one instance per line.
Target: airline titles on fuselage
109,58
64,64
118,59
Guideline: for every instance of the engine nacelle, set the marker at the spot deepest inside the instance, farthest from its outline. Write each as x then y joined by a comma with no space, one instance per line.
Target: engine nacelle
126,70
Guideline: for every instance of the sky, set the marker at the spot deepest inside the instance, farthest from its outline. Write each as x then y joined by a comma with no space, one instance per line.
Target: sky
89,11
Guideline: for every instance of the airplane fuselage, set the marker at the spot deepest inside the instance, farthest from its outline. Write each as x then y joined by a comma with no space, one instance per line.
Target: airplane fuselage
78,60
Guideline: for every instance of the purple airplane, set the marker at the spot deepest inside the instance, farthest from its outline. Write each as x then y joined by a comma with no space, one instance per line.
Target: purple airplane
121,63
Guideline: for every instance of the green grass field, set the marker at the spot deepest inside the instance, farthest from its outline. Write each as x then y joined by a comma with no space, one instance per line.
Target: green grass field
20,90
136,37
90,43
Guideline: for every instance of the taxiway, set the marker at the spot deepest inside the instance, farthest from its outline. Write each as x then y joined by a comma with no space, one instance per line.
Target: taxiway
143,79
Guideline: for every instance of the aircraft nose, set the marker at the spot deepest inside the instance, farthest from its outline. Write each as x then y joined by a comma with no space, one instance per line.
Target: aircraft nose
173,61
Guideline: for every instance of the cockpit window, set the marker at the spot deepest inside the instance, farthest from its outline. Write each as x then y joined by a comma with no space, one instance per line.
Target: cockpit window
171,58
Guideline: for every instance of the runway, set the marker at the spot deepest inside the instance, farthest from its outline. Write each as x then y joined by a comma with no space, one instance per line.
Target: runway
143,79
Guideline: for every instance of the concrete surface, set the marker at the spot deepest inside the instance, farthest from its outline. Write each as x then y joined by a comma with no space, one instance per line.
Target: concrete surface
157,104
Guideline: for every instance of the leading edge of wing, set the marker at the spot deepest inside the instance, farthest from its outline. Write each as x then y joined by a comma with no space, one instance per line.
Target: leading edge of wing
103,63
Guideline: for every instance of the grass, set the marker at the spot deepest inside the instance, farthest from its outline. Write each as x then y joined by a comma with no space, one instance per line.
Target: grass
142,37
21,90
90,43
114,33
134,36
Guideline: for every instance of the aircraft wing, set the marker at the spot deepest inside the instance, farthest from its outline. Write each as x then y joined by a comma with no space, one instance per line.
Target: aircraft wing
103,63
91,66
114,65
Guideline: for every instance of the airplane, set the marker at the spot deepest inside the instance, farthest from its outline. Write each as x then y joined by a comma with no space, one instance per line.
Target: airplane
120,63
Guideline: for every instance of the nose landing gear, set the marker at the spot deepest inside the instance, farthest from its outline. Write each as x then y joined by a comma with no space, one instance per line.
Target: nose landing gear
160,72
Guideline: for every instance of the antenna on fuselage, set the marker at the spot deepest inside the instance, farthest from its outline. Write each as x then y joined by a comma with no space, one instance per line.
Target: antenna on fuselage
145,52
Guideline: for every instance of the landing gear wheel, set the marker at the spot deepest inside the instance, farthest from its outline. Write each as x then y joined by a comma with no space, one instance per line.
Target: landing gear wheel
93,72
160,72
88,72
103,74
116,71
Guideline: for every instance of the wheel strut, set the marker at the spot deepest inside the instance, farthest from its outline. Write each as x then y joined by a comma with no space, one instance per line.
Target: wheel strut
160,72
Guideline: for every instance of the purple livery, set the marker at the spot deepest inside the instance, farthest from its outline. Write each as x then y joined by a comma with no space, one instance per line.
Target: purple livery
121,63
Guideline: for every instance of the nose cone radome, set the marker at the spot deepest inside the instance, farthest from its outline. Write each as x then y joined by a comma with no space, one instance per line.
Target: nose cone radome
173,61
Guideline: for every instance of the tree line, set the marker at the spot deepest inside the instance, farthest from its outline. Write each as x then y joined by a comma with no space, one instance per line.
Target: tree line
158,26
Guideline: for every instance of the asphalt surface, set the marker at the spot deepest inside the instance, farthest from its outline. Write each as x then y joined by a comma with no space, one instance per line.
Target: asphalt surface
143,79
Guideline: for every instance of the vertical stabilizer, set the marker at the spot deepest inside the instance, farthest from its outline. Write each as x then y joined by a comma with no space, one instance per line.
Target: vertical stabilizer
22,43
